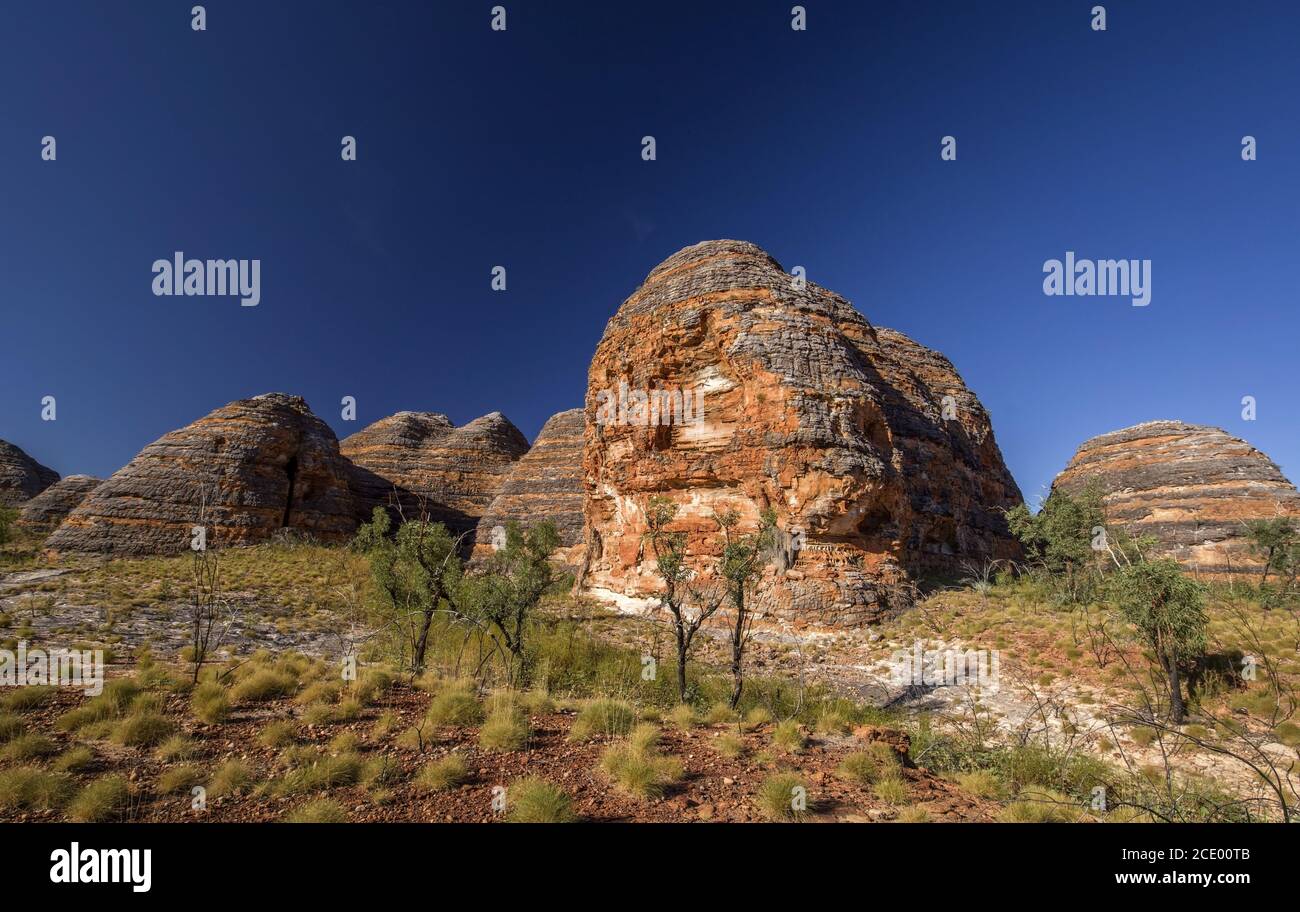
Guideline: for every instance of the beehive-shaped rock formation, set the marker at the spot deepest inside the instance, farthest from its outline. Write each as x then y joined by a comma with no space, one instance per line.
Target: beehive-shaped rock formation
876,458
244,471
424,464
51,506
21,476
1192,488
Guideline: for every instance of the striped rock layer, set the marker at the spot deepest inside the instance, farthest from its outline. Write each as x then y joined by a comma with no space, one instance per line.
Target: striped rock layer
879,462
422,464
21,476
243,472
51,506
1192,488
546,483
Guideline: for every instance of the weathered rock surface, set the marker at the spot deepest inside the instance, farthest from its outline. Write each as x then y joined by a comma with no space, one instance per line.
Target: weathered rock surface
21,476
49,507
546,483
1190,487
424,464
877,459
244,471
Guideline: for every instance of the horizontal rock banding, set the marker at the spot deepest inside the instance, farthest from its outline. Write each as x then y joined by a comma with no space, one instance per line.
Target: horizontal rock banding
21,476
422,464
1190,487
545,484
243,472
51,506
842,428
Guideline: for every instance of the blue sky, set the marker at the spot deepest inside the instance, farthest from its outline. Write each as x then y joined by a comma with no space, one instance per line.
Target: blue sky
522,149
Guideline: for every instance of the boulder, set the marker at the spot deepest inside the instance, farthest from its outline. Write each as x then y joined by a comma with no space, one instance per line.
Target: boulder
21,476
1190,487
546,483
243,472
878,461
421,464
51,506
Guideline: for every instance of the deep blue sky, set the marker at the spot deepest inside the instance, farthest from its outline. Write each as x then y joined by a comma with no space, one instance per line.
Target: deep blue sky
523,149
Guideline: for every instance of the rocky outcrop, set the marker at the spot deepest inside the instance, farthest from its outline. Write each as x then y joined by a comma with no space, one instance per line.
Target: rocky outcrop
1190,487
424,464
244,471
878,461
49,507
546,483
21,476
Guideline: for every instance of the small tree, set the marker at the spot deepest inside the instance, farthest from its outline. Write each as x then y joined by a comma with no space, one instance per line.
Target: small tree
502,596
1277,540
742,558
413,572
210,615
1168,610
686,601
7,517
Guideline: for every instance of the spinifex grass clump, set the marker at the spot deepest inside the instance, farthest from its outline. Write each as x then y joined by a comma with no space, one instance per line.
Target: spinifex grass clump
534,800
788,736
867,767
638,768
783,797
26,788
603,717
113,703
456,705
102,800
322,810
506,729
439,775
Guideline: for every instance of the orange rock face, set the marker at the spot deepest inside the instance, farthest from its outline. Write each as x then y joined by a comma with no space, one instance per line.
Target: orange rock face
1191,488
878,461
423,463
